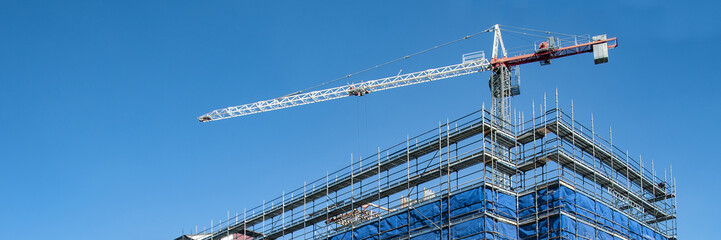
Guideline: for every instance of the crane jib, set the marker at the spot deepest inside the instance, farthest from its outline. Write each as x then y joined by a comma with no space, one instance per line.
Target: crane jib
358,89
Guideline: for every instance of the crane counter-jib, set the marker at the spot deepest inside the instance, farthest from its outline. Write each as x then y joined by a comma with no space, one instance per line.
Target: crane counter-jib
541,55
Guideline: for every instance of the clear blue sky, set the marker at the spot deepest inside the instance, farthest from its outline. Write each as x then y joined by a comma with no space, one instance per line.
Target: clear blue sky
99,100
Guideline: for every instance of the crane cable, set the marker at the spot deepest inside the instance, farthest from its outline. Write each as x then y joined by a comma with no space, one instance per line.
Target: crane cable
505,29
390,62
534,30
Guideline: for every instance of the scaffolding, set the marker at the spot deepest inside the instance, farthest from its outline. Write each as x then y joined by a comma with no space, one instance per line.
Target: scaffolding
549,177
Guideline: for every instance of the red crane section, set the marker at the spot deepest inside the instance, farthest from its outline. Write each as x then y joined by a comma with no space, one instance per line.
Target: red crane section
546,52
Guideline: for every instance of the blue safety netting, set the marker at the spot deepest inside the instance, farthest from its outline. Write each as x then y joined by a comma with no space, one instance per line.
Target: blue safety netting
479,199
585,230
562,227
466,212
609,224
463,209
432,235
585,207
549,228
556,197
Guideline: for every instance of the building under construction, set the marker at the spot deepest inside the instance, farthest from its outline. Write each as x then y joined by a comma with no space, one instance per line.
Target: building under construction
549,177
492,174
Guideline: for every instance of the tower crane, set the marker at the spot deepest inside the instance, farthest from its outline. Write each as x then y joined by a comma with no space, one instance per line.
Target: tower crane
503,83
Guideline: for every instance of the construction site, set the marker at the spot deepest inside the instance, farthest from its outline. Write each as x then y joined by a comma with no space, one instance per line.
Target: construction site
495,173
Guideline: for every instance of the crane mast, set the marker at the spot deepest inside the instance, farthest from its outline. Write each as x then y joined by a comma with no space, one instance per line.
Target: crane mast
503,83
500,84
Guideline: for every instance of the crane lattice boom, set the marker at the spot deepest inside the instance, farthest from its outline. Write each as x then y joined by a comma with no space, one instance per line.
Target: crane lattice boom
357,89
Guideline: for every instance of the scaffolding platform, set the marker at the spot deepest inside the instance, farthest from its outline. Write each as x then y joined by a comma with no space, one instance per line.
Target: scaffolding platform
468,178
